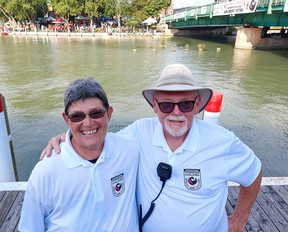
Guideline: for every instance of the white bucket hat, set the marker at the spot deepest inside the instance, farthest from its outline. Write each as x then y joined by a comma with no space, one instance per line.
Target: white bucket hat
177,77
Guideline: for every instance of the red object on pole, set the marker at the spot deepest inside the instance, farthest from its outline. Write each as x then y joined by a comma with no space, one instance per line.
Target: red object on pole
1,104
213,108
215,102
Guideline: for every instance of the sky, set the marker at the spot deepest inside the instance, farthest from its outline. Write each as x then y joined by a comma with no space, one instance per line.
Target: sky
186,3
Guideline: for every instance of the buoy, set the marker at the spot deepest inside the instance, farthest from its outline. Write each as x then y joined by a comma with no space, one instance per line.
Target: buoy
8,171
213,108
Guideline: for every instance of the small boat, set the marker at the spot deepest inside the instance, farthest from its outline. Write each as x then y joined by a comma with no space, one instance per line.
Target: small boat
4,33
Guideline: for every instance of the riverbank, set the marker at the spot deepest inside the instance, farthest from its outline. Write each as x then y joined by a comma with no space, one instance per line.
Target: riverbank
87,34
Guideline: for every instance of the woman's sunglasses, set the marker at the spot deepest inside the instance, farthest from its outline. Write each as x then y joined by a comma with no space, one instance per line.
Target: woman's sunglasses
80,116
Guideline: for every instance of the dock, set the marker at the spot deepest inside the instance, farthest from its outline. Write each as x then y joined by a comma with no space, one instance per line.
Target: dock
269,212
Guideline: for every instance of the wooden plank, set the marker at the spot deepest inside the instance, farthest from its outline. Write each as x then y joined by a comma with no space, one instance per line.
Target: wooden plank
232,196
12,219
282,192
269,212
277,208
252,224
260,221
275,220
230,204
6,204
2,193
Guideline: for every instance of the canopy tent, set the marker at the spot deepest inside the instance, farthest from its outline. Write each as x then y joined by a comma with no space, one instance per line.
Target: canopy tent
149,21
45,19
59,20
80,17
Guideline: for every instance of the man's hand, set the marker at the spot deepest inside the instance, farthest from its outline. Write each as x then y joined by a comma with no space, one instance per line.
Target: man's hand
53,144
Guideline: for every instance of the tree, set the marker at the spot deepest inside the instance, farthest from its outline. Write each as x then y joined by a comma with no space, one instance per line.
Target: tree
18,10
66,8
135,10
142,9
116,8
9,9
91,8
154,7
33,9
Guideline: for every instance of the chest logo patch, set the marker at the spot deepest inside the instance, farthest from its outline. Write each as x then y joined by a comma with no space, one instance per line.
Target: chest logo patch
192,179
118,185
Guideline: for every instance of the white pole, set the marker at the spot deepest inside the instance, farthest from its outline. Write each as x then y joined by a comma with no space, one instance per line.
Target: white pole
8,171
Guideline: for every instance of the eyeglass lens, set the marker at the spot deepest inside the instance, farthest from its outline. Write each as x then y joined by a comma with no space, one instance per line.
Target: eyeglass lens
80,116
168,107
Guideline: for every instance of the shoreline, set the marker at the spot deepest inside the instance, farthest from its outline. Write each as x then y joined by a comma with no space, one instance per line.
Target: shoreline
88,34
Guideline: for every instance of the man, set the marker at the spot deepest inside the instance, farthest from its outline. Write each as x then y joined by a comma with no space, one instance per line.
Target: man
91,186
203,156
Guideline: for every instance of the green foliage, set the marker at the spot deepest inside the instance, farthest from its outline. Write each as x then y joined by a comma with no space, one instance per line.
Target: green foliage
66,8
135,10
142,9
154,7
19,10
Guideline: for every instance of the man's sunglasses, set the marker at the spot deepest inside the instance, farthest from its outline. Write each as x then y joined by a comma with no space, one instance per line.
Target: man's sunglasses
80,116
168,107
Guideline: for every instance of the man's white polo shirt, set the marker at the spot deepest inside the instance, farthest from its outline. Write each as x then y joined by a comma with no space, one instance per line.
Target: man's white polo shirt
194,198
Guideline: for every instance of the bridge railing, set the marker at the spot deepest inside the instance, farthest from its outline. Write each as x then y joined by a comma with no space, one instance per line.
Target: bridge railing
265,3
210,10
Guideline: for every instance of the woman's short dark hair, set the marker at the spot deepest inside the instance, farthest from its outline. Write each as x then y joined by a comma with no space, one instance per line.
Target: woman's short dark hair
82,89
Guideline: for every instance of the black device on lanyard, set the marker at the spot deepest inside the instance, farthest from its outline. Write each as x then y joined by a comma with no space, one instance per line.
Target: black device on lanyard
164,171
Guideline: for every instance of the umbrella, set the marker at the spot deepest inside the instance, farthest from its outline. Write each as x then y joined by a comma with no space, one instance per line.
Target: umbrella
49,19
59,20
80,17
106,18
149,21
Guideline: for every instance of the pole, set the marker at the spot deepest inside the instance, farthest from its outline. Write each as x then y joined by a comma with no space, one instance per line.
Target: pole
269,9
8,170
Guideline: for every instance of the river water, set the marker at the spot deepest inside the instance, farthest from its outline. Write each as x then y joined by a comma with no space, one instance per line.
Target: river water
34,73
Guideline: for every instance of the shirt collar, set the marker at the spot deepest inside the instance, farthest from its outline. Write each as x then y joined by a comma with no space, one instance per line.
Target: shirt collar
72,159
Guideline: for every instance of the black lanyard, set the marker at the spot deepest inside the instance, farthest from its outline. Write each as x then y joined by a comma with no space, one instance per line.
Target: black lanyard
164,171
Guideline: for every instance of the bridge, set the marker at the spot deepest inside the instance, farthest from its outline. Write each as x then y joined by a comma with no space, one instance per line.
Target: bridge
261,24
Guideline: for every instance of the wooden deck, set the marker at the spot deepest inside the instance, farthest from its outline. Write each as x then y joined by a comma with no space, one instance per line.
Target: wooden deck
269,213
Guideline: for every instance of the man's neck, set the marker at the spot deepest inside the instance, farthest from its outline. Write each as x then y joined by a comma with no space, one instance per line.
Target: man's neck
175,142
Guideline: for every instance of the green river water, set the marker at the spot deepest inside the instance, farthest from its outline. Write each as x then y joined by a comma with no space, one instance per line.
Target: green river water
35,71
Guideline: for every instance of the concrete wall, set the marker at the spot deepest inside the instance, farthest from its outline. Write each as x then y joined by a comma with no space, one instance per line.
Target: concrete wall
250,38
246,37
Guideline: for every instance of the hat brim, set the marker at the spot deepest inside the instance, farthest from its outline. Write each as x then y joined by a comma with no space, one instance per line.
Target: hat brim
205,93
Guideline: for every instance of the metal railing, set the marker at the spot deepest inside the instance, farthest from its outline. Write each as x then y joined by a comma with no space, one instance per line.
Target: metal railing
208,10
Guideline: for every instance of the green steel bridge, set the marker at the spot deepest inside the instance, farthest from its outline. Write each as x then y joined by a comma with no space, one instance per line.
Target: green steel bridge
264,13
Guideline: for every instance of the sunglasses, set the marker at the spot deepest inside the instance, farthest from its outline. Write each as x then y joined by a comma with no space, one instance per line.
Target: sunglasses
168,107
80,116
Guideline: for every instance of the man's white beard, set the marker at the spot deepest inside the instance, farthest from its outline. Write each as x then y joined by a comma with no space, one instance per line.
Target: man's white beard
174,130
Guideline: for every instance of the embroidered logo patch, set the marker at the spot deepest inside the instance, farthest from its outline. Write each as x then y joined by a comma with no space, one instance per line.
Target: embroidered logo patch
118,185
192,179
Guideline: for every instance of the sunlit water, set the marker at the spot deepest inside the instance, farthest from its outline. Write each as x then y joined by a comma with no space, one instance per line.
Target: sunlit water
34,73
